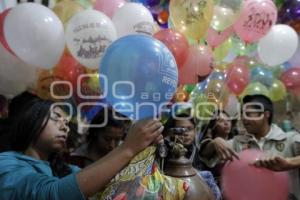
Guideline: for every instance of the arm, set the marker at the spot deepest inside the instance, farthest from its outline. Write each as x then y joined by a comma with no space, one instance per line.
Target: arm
220,147
93,178
278,163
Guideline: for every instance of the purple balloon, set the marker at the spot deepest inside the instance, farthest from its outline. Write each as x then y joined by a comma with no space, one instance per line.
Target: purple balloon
290,11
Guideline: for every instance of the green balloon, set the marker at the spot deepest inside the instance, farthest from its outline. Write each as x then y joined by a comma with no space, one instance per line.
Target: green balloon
255,88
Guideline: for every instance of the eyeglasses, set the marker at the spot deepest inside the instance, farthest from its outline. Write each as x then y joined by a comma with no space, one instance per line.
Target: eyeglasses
58,117
180,130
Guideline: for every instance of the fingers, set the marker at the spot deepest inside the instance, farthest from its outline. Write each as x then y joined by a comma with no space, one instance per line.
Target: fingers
233,153
154,126
159,139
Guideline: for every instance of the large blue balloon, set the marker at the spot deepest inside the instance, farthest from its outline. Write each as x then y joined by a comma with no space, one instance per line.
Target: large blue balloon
141,76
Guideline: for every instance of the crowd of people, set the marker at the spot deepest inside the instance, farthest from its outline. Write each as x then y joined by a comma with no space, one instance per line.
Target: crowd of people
43,158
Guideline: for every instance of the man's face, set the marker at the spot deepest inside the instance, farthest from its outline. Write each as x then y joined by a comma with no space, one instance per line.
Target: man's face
188,136
254,118
109,139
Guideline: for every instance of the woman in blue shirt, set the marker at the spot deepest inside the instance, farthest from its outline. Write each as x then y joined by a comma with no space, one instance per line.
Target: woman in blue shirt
38,131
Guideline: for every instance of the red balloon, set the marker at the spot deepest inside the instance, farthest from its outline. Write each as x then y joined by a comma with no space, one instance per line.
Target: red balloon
2,38
291,80
176,42
68,69
198,65
237,76
242,181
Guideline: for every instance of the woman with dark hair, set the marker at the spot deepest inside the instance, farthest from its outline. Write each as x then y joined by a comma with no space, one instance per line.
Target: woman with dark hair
39,130
221,125
106,132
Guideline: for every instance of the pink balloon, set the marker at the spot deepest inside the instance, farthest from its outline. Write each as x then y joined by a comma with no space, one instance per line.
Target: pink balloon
238,75
198,65
242,181
176,42
108,7
215,38
291,80
2,37
256,19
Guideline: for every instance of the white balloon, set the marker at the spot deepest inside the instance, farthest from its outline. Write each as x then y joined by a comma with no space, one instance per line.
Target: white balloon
278,46
133,18
35,34
15,75
88,34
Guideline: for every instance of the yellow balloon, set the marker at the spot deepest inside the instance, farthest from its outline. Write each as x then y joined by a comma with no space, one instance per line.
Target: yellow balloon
221,51
217,92
203,109
191,17
225,14
66,9
277,91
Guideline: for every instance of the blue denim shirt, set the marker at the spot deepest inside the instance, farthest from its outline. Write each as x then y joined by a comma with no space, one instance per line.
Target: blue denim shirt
23,177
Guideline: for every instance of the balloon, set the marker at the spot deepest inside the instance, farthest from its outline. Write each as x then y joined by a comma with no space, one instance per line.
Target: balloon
41,43
217,92
289,14
181,95
226,13
108,7
43,86
88,34
204,109
256,19
255,88
189,88
278,46
222,51
198,64
217,75
141,75
15,75
240,48
133,18
163,17
277,91
176,42
233,106
240,180
295,60
66,9
215,38
237,77
291,79
192,18
262,75
85,3
68,69
2,38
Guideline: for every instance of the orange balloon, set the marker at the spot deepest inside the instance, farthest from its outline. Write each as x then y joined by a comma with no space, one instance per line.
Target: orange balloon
43,86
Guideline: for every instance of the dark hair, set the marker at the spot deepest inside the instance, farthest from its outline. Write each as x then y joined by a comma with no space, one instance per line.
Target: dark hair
28,116
212,125
106,117
264,101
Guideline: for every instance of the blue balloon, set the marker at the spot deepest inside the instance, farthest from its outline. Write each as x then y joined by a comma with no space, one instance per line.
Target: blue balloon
217,76
138,74
262,75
